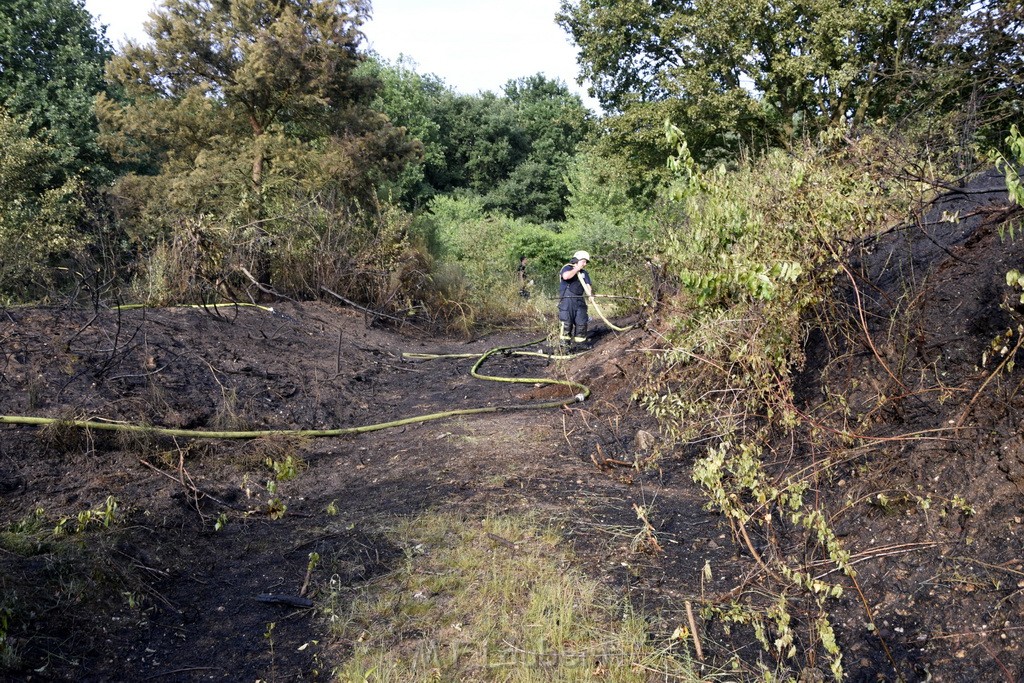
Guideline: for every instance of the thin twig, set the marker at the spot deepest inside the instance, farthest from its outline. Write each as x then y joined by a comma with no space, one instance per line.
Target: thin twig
693,631
362,308
871,621
181,671
977,394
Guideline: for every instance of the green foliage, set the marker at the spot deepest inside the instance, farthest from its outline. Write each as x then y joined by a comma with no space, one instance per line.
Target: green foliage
477,252
1011,167
513,151
474,262
411,100
750,232
604,211
770,70
755,251
39,210
286,468
86,519
963,76
545,251
633,148
51,68
254,142
555,123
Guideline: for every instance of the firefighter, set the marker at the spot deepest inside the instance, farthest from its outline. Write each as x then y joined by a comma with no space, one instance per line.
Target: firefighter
574,286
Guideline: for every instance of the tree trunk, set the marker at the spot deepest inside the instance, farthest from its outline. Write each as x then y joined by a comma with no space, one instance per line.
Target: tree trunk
260,152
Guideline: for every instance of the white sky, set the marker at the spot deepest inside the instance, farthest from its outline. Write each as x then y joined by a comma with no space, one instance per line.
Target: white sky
473,45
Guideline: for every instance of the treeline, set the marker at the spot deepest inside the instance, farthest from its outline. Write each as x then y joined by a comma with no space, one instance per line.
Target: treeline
259,142
253,141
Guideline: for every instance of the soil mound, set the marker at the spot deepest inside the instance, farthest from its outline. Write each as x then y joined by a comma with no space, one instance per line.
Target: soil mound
930,501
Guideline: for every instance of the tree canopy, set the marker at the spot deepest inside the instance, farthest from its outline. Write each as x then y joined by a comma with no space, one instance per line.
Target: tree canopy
39,209
781,66
253,144
51,68
512,149
252,79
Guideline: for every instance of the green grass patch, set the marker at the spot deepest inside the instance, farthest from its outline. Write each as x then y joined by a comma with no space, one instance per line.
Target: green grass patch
498,599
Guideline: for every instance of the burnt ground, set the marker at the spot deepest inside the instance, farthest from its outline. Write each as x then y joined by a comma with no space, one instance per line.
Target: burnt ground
163,594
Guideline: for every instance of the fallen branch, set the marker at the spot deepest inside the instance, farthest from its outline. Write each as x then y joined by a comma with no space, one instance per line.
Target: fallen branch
1010,356
288,600
262,287
362,308
606,462
693,631
191,487
503,541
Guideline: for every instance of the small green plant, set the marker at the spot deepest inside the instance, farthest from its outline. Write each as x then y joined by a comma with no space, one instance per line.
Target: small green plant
285,468
276,509
268,635
1011,166
86,518
1015,279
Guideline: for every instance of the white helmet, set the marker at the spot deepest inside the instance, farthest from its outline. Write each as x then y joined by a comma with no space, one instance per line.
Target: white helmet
581,256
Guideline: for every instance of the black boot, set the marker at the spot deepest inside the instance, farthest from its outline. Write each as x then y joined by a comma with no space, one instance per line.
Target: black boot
580,335
564,335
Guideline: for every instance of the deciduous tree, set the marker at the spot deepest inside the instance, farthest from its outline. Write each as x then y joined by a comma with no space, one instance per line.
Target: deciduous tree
39,208
774,67
51,68
512,150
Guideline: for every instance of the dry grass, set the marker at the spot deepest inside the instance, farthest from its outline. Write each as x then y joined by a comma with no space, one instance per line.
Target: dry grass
497,599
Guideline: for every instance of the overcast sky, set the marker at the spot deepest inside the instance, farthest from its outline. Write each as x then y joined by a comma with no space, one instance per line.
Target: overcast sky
473,45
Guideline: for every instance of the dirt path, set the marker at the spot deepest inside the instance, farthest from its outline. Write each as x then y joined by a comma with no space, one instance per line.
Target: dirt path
166,595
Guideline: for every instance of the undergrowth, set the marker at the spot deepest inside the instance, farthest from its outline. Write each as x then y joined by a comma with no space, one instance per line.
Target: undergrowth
497,599
56,565
756,260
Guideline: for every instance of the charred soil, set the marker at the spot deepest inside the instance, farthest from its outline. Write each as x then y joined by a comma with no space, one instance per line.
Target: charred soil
186,559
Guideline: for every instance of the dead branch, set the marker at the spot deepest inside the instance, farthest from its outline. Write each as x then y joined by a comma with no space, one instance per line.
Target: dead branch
693,631
1010,356
262,287
372,312
287,600
503,541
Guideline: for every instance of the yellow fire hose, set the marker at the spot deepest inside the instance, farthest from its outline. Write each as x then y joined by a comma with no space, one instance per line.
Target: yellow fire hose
590,298
583,392
593,302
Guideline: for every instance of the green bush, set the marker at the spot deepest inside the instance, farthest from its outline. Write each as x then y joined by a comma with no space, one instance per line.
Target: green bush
38,217
756,255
